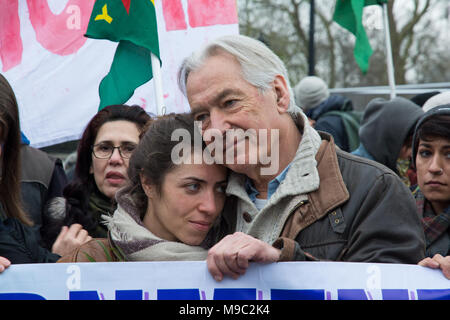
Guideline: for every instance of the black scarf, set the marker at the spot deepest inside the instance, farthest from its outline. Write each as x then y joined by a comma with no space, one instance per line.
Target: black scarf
100,205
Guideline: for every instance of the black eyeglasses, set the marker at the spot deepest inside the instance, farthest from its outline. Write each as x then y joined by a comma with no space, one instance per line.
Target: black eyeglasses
104,150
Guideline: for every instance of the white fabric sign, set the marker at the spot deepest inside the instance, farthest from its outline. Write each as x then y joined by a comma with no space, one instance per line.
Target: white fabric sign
55,71
192,281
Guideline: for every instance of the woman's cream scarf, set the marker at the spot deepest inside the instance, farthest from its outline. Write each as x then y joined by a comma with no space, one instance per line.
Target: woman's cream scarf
137,243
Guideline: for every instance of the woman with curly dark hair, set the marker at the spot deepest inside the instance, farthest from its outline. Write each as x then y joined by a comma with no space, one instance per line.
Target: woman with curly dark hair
103,154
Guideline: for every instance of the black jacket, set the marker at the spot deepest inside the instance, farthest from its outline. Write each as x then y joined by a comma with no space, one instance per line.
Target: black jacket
43,178
18,244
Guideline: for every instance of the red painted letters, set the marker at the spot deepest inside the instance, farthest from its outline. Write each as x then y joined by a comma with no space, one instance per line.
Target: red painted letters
173,15
204,13
61,34
10,43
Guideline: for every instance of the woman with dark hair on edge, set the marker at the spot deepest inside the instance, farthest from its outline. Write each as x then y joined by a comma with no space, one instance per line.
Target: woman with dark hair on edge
18,243
431,159
103,155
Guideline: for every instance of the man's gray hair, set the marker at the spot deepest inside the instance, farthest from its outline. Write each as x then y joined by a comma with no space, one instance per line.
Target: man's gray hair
259,64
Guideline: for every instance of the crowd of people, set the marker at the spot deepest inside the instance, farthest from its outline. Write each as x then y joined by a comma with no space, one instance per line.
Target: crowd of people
379,193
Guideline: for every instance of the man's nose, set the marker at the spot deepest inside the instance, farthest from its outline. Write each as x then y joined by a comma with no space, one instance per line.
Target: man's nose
218,121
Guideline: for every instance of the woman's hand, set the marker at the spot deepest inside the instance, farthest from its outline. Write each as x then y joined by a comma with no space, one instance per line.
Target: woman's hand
436,262
4,263
69,239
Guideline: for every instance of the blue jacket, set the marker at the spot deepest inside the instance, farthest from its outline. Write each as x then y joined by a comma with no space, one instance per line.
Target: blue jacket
332,124
362,152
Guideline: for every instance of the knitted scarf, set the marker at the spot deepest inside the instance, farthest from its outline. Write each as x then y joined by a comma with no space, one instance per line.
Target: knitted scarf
301,179
137,243
434,225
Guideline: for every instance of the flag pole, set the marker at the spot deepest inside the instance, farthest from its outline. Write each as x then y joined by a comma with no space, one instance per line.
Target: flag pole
157,83
311,54
390,64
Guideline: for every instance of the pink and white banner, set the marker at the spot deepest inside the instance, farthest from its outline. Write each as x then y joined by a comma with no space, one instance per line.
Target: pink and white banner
55,71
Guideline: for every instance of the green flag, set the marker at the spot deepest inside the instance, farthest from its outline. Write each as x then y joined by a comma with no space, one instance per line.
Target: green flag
348,14
132,23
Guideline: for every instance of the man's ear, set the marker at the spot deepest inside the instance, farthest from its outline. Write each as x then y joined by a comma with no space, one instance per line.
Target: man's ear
282,93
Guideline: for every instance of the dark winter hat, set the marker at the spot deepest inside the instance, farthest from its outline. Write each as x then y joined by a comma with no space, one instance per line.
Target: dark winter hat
436,111
421,98
385,126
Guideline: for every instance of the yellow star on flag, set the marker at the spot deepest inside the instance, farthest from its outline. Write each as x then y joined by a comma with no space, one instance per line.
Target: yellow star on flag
104,15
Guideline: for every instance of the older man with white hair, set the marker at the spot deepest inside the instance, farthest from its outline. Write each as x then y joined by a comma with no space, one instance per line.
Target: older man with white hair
321,203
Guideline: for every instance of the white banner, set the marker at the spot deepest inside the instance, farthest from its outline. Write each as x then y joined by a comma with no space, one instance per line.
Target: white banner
192,281
55,71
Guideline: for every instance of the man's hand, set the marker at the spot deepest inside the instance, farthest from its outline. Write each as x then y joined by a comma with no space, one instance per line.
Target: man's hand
231,256
69,239
436,262
4,263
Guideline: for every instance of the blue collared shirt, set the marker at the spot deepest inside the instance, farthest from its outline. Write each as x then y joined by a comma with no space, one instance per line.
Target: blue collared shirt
272,187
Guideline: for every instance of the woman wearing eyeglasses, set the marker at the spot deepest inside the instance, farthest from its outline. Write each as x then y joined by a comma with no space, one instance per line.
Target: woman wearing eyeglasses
103,155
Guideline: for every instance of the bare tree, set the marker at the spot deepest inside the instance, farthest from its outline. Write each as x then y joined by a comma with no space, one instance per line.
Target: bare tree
284,25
